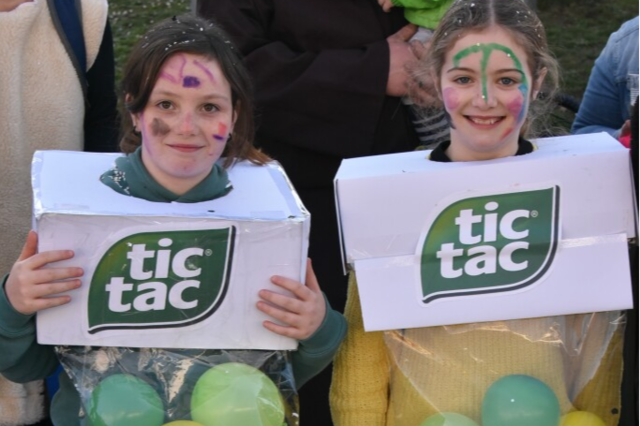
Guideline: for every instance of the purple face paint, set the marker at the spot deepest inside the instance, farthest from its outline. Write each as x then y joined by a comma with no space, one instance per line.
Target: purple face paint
205,70
159,127
190,81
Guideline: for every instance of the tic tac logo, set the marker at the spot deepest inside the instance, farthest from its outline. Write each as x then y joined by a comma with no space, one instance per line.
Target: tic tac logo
160,279
491,243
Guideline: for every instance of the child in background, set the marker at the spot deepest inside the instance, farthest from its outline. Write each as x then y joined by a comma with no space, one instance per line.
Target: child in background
489,60
187,102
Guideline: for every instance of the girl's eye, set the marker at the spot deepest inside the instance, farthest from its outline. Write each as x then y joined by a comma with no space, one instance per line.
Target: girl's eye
506,81
164,105
210,108
463,80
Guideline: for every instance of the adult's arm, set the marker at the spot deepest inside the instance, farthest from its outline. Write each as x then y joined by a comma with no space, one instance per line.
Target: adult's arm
317,86
606,103
359,393
600,106
22,359
101,117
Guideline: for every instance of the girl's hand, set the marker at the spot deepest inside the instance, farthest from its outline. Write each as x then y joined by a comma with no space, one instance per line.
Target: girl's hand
31,288
386,4
302,313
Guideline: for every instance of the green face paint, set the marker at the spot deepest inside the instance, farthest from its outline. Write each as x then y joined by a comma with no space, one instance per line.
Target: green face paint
486,50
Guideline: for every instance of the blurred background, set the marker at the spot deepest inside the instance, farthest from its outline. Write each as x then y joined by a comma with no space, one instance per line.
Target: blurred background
577,30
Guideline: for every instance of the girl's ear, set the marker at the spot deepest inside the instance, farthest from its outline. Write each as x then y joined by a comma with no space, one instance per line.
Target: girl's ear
537,84
135,119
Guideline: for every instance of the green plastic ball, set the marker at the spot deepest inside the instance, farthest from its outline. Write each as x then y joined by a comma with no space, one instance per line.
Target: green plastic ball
520,400
236,394
448,419
124,400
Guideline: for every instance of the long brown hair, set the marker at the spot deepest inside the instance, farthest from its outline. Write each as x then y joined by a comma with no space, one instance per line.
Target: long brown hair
189,34
514,16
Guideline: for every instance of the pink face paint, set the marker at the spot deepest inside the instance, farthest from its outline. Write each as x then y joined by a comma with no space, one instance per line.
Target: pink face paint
159,127
222,132
169,77
506,133
184,64
515,107
190,81
451,101
205,70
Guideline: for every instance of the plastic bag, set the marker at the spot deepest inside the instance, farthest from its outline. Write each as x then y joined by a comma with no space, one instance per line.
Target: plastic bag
152,387
492,373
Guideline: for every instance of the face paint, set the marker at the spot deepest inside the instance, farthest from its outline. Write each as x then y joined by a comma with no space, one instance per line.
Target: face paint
190,81
222,132
169,77
206,71
486,50
159,127
450,98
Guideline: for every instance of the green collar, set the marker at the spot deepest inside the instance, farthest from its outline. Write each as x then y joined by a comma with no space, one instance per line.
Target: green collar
130,177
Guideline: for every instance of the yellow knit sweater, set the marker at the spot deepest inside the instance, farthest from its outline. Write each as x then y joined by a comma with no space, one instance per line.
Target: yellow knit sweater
399,378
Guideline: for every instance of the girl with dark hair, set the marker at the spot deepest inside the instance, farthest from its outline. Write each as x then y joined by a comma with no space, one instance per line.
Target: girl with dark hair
187,103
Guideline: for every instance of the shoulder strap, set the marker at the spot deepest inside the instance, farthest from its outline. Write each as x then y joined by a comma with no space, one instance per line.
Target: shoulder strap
67,18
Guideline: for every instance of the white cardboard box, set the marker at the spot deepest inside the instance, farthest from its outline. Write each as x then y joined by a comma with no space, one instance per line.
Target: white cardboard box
167,274
446,243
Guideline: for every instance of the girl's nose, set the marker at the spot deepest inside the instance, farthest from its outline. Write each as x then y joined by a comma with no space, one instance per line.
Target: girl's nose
484,98
185,125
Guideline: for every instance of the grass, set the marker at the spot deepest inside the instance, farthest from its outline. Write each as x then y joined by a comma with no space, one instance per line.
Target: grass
577,30
132,18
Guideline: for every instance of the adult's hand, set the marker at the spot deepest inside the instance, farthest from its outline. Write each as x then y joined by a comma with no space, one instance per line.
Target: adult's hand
386,5
401,58
421,85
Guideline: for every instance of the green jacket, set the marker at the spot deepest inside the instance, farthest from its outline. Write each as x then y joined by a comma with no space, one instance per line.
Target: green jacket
22,359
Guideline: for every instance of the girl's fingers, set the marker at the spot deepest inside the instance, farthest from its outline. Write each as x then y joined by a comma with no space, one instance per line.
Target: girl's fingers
41,259
51,289
295,287
50,302
49,275
30,247
286,317
310,279
291,304
282,330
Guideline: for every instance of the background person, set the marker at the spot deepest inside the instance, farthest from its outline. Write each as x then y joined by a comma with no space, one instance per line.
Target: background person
44,108
607,100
